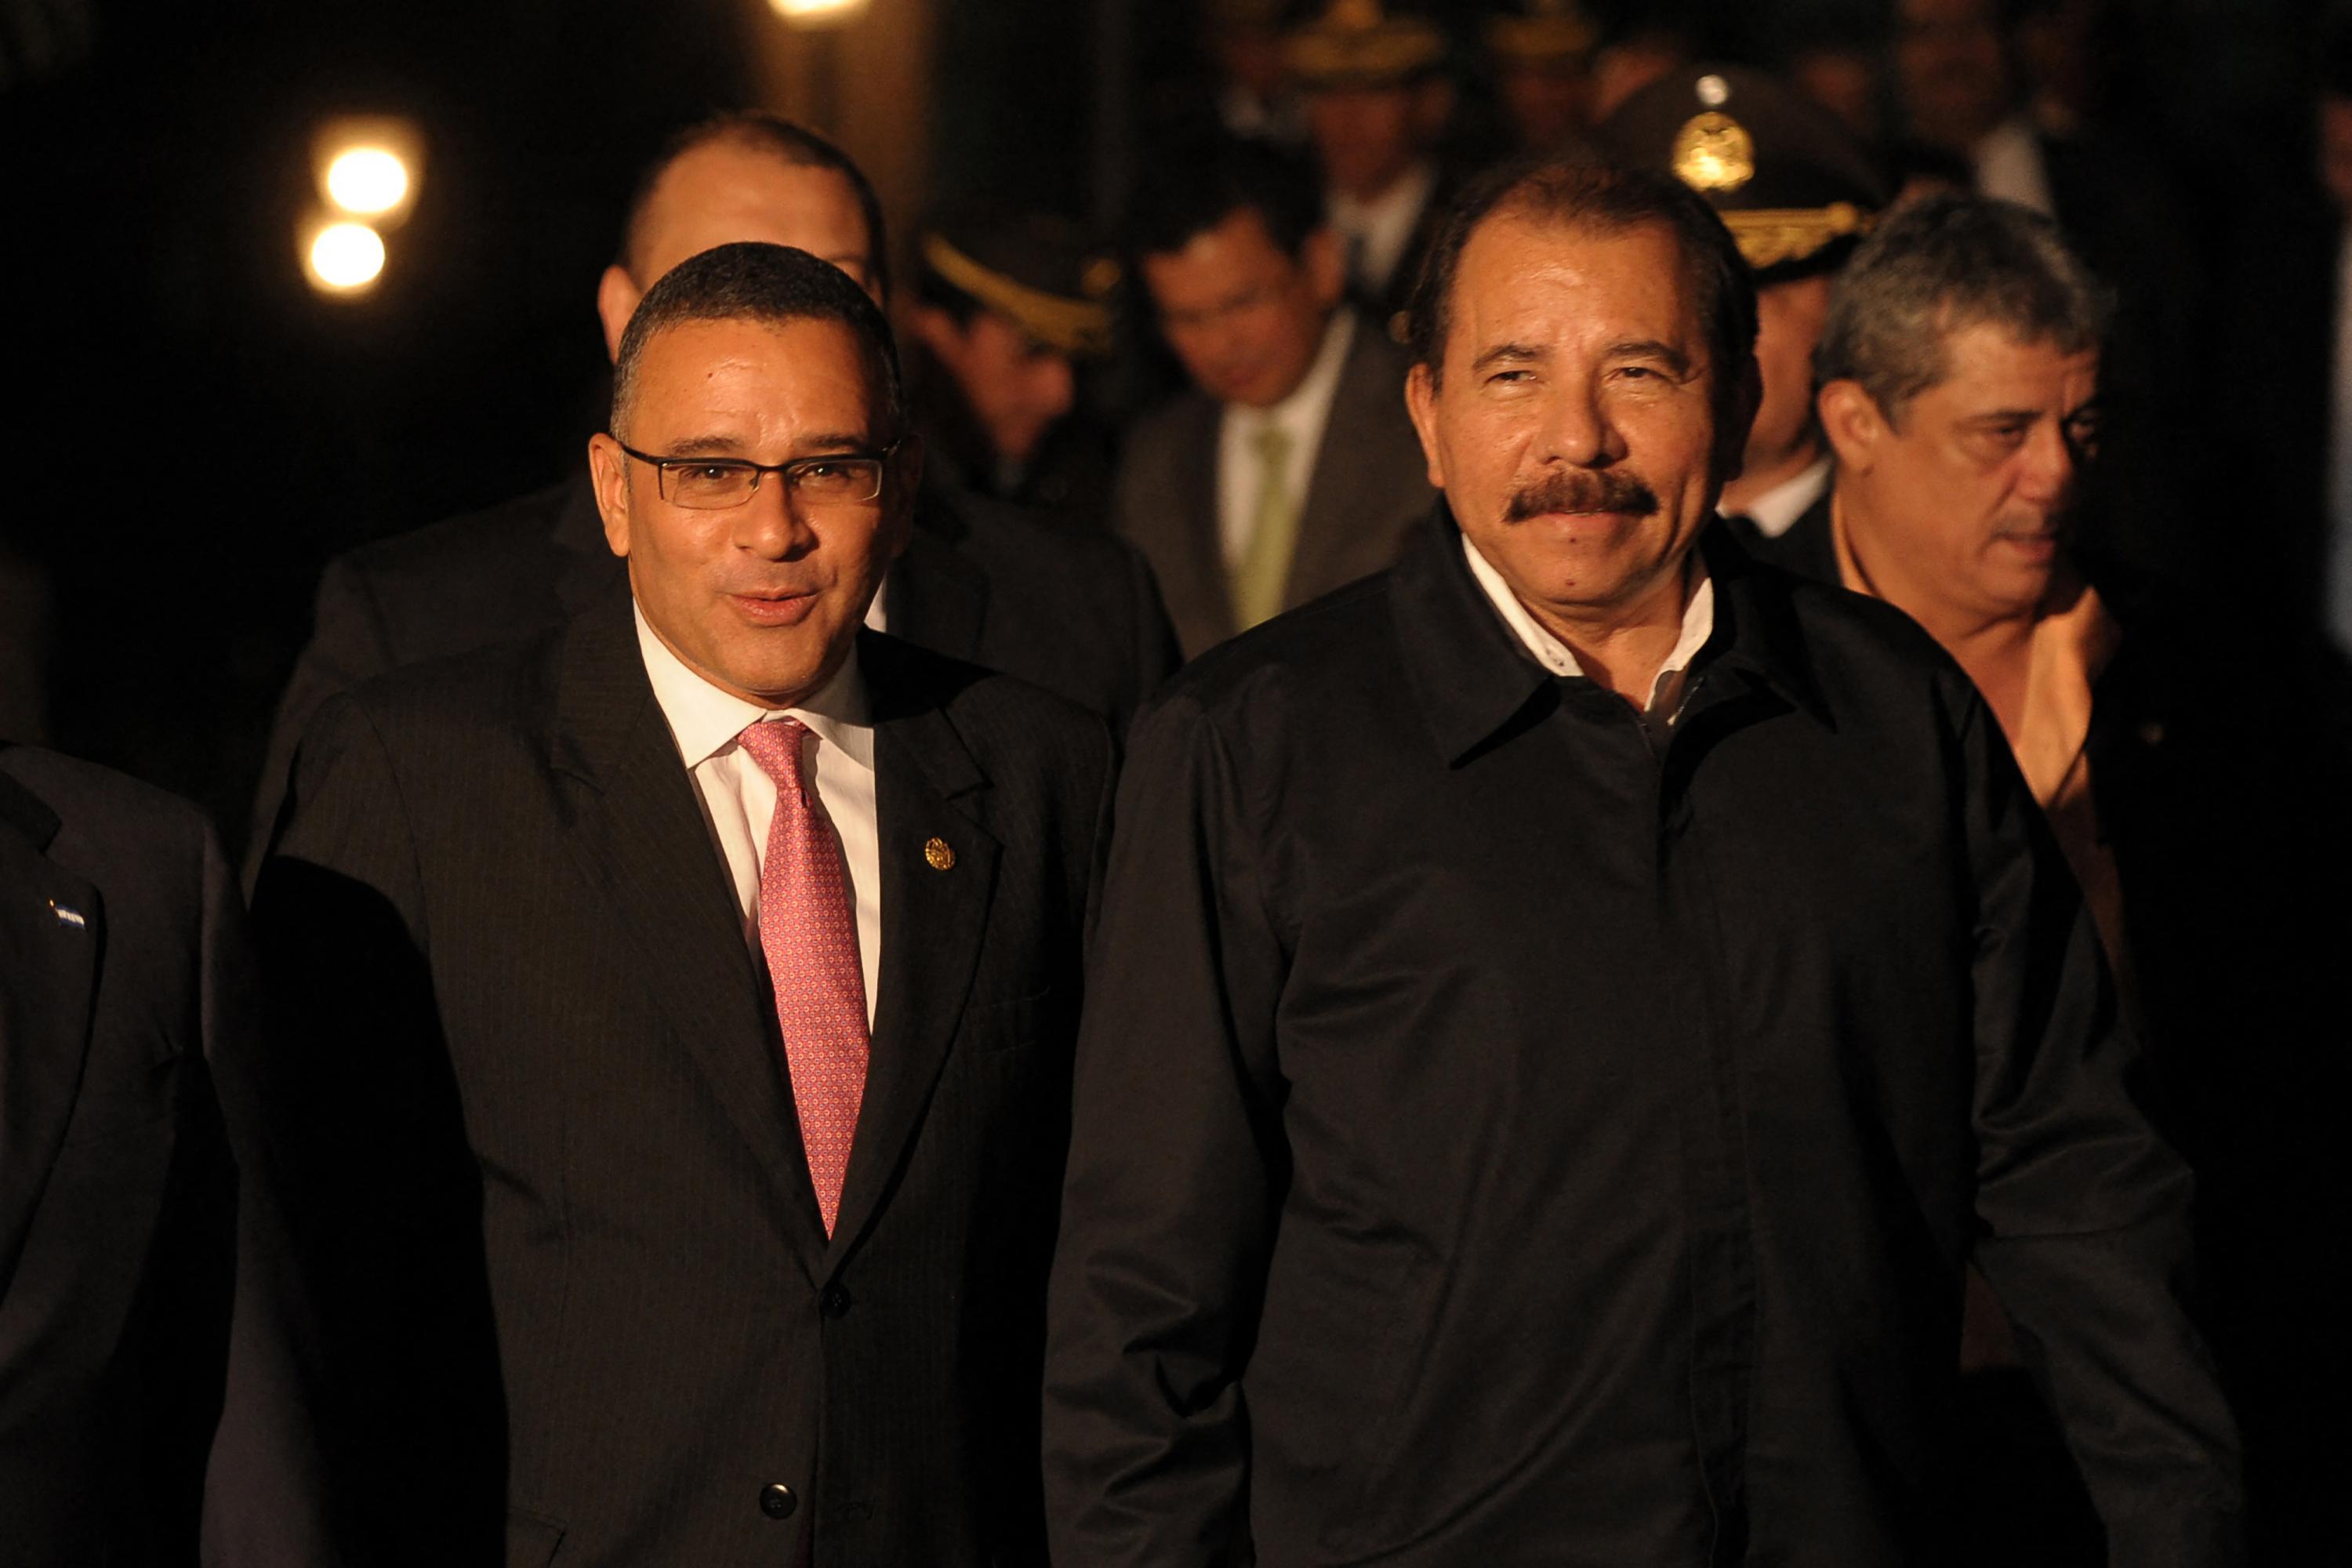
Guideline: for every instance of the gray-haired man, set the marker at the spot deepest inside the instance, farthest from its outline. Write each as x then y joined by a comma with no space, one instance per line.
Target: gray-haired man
1958,381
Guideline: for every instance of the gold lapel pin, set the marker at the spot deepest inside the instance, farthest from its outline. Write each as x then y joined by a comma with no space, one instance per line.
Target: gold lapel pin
939,853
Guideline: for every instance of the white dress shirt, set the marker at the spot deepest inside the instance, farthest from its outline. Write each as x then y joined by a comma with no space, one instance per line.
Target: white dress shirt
1303,415
1376,232
1665,691
1776,511
739,799
2010,167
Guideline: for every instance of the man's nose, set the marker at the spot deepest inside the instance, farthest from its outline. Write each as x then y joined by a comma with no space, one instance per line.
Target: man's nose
769,523
2047,466
1577,429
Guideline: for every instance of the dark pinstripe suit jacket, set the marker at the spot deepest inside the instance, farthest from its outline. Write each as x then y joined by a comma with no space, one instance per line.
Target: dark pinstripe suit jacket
560,1288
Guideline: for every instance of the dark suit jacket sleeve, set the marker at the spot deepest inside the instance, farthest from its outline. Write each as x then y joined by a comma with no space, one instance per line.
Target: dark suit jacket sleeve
349,644
374,1374
1176,1172
2084,1210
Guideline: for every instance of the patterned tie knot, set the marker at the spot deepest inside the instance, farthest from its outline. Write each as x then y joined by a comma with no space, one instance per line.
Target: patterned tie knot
776,745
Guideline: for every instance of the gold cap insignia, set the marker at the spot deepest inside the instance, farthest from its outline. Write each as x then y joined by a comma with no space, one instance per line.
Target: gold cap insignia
1714,153
939,854
1068,326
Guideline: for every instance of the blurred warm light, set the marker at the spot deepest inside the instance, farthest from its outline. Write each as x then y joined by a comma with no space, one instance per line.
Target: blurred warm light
367,181
819,13
369,166
344,257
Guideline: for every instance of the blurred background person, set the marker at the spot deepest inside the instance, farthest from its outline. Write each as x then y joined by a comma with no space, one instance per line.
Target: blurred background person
2182,775
1378,104
1646,44
1540,52
1842,66
1005,308
1797,193
1254,96
125,987
1289,466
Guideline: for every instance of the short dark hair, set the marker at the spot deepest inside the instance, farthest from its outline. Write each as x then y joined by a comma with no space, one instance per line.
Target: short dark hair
1940,266
1607,198
795,145
1189,187
756,282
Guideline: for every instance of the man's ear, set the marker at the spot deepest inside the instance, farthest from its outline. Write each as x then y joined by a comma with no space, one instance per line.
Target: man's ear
905,481
1327,267
608,471
617,301
1421,403
1433,108
935,330
1731,441
1853,423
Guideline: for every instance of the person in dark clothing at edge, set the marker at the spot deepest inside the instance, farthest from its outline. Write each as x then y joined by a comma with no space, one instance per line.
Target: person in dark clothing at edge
1961,371
1568,1010
1065,607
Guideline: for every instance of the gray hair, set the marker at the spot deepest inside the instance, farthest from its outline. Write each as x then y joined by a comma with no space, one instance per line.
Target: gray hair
1940,267
749,281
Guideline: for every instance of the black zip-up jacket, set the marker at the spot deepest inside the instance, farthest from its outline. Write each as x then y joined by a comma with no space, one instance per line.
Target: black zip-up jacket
1503,1138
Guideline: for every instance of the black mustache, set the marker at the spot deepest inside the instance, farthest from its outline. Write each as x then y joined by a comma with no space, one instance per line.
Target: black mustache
1583,490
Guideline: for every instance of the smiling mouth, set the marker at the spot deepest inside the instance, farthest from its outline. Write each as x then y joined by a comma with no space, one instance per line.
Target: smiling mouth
775,609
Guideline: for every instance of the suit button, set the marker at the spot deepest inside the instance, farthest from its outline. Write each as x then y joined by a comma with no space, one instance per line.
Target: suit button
834,1302
777,1500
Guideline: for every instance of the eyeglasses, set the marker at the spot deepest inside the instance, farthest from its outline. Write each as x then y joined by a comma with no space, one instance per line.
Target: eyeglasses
715,484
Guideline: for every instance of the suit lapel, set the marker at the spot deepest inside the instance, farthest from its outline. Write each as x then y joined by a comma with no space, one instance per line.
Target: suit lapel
936,597
933,917
1191,559
1344,491
48,978
641,837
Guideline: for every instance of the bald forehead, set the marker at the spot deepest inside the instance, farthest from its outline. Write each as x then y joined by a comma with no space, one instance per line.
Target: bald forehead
729,191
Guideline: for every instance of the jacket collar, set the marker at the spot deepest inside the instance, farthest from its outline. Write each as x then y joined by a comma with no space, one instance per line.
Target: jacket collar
1471,677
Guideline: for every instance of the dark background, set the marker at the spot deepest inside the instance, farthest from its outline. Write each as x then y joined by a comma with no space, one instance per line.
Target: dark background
193,431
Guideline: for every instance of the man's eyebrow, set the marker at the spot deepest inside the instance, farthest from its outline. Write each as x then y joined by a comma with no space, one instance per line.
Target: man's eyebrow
1508,354
836,444
706,447
1653,349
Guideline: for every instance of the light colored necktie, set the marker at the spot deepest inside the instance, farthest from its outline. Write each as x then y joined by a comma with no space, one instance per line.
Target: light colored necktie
1262,573
808,928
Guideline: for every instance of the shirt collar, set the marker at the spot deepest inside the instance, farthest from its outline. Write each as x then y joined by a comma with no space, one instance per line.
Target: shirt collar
1777,509
1393,209
1698,623
705,721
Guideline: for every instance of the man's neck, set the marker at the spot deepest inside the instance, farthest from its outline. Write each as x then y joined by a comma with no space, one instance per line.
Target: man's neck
1623,650
1995,650
1761,476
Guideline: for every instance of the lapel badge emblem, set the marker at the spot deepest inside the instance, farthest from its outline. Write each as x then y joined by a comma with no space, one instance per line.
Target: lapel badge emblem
73,918
939,854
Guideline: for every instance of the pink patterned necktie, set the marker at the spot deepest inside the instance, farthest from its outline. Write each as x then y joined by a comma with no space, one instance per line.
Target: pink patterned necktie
808,928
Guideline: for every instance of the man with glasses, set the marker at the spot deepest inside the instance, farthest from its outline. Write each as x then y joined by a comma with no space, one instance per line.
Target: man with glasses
670,1088
1063,607
1288,468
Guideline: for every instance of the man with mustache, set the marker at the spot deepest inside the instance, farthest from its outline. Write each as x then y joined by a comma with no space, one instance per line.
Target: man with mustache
667,1097
1288,466
1567,1011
